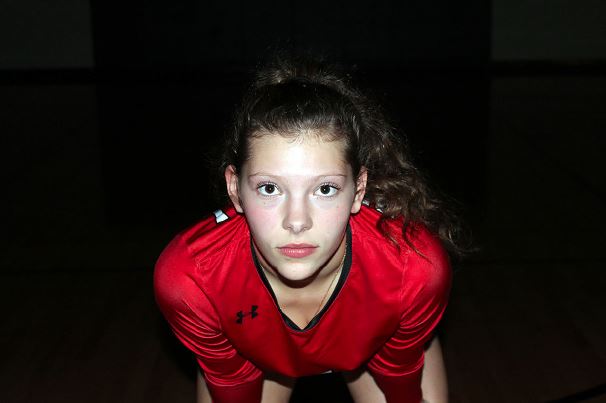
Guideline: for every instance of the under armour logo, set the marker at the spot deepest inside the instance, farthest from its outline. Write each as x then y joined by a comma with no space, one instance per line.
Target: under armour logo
253,314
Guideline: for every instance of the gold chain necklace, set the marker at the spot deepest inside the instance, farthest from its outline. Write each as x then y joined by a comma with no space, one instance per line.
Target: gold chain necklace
332,282
329,287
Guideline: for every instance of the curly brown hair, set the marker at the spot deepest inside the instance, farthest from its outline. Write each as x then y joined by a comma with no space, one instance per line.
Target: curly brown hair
290,96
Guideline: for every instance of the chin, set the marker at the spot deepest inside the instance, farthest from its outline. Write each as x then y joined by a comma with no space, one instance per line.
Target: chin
298,274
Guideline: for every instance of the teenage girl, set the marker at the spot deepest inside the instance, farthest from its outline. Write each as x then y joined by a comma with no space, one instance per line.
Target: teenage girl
330,256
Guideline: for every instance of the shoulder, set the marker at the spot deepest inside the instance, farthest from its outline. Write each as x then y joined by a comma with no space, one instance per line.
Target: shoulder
426,282
423,261
365,232
178,270
427,261
206,238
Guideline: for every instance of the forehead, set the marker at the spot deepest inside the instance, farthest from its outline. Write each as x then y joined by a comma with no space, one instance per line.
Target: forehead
305,154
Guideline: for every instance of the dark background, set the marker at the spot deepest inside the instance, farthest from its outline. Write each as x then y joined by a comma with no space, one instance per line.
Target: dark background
107,111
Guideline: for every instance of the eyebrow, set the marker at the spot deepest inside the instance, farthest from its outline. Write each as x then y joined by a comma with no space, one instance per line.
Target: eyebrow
281,177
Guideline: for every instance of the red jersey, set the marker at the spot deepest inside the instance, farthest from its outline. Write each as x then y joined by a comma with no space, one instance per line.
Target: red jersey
386,304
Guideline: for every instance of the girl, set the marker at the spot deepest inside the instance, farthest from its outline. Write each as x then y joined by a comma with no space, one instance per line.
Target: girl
330,256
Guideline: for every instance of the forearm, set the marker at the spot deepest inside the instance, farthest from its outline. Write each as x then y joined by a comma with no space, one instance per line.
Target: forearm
434,383
363,388
434,387
202,393
276,389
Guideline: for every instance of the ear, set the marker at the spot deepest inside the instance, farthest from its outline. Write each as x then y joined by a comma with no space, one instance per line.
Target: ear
231,181
360,190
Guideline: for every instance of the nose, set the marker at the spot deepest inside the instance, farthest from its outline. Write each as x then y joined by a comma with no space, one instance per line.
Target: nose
297,216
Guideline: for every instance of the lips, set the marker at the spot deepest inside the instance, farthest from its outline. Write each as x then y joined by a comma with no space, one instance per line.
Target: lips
297,250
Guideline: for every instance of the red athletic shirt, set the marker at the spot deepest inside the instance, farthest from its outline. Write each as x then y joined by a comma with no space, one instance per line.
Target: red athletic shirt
219,304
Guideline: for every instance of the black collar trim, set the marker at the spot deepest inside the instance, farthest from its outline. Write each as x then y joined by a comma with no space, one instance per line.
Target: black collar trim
333,296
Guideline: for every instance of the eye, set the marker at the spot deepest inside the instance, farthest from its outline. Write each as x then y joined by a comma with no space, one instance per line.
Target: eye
327,190
268,189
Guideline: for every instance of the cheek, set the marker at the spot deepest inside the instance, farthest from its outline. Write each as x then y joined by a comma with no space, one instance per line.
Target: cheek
338,209
333,219
262,221
259,212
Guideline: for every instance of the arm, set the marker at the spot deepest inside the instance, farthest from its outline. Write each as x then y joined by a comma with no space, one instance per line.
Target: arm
398,367
275,390
434,383
202,393
228,376
363,387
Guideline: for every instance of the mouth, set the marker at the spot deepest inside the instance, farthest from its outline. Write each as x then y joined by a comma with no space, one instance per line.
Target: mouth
297,250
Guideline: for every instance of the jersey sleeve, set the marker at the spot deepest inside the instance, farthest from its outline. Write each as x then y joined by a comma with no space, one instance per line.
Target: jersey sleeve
192,318
398,365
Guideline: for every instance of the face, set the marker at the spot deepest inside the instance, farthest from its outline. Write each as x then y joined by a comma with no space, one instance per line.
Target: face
297,196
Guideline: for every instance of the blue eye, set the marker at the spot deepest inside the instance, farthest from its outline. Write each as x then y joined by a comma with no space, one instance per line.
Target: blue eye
268,189
327,190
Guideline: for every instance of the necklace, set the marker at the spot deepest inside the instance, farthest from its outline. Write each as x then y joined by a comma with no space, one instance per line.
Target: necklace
329,287
332,282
